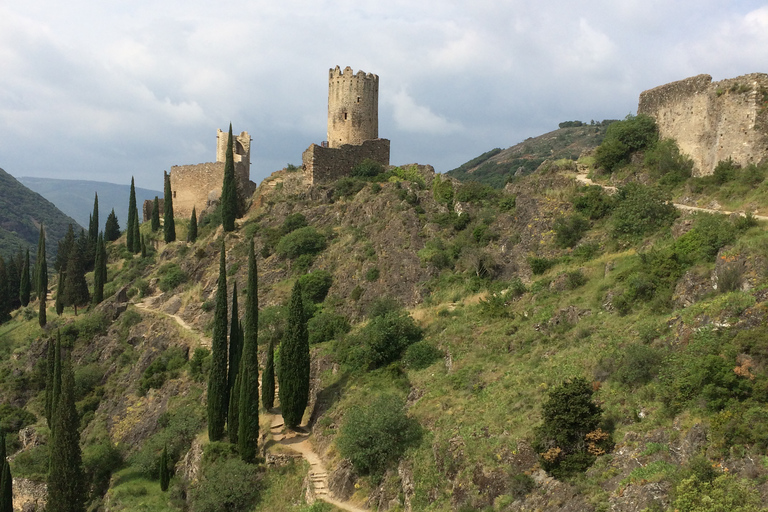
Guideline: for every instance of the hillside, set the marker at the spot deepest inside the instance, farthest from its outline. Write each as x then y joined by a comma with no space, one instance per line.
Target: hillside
466,322
75,197
497,166
21,213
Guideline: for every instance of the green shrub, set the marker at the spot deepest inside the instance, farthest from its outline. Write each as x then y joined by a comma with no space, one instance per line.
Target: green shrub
421,355
327,326
372,274
436,254
442,190
575,279
229,484
593,202
667,164
384,305
569,230
382,341
99,462
293,222
623,138
13,419
586,251
410,173
32,464
641,210
171,276
347,187
726,492
367,169
638,365
725,171
540,265
162,368
200,364
473,191
375,436
315,285
306,240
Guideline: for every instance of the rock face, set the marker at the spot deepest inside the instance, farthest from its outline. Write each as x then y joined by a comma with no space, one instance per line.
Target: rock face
29,496
713,121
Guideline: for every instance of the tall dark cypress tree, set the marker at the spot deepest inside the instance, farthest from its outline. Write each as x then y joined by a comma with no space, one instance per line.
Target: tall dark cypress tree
41,279
56,381
218,389
99,271
169,225
64,248
155,215
13,269
268,379
5,304
229,188
165,470
294,362
192,233
50,372
66,480
6,480
131,243
112,227
93,227
248,403
60,290
233,418
75,287
25,288
235,350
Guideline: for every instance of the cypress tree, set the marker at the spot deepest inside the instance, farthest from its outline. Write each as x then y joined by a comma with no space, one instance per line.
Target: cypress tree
50,371
41,279
75,286
294,362
13,270
99,271
235,349
233,419
133,215
25,288
169,225
5,304
248,403
93,227
268,379
66,481
192,233
60,294
6,480
65,247
143,246
218,389
228,188
136,234
56,381
155,215
112,227
165,470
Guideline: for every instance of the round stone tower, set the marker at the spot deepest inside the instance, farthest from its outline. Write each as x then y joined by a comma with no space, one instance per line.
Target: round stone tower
353,107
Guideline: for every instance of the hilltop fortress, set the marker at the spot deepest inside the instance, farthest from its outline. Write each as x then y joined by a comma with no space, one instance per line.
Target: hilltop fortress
353,128
713,121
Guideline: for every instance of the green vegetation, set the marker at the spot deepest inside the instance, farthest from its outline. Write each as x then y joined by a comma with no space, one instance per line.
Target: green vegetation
218,390
248,401
229,209
293,369
169,222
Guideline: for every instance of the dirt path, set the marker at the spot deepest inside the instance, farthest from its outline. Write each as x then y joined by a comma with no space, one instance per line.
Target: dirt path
204,341
582,178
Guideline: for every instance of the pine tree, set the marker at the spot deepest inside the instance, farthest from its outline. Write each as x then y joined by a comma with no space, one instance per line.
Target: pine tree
155,215
25,288
41,279
268,379
169,225
75,286
165,470
294,362
229,188
133,216
66,480
112,227
192,233
5,304
218,389
99,271
6,480
248,403
60,294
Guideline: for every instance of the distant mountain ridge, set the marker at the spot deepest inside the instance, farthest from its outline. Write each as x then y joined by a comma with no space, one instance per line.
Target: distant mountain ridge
21,213
75,197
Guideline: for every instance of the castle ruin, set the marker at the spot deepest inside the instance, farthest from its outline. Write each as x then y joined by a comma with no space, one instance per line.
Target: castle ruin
199,185
713,121
353,128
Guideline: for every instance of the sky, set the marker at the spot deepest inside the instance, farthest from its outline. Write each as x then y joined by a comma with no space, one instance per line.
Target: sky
105,90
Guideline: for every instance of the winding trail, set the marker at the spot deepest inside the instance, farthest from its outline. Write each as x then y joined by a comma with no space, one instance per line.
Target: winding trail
297,441
582,178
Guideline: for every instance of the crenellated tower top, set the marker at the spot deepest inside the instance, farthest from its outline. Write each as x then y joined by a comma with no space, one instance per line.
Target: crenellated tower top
353,107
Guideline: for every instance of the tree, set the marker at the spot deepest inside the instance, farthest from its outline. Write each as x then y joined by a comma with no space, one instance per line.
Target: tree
99,270
131,241
156,214
235,351
6,480
5,304
248,403
13,269
50,386
268,379
41,278
66,481
65,247
165,470
218,389
60,294
294,362
25,288
229,188
169,225
112,227
75,286
570,438
192,233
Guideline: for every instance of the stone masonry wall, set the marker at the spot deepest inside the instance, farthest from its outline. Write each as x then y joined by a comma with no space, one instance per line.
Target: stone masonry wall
324,165
713,121
198,185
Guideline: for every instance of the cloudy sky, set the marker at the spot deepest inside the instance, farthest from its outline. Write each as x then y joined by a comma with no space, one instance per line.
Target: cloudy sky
104,90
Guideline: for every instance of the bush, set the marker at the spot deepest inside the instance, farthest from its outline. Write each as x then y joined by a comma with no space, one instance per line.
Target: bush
638,365
410,174
442,190
593,202
725,171
641,210
421,355
347,187
231,485
13,419
99,462
315,285
375,436
473,191
726,492
327,326
570,437
382,341
372,274
200,364
367,169
623,138
667,164
569,230
302,241
436,254
540,265
164,367
293,222
171,276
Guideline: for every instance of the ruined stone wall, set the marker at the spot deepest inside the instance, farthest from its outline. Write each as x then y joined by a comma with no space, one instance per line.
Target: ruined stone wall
198,185
149,205
353,107
241,147
324,165
713,121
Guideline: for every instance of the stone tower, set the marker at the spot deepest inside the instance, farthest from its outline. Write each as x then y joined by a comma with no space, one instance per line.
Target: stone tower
353,107
241,147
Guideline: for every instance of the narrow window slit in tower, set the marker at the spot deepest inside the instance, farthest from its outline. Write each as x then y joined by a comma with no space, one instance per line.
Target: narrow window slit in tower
345,116
358,99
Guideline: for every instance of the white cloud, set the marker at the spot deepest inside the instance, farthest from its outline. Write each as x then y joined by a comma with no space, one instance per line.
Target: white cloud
411,117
